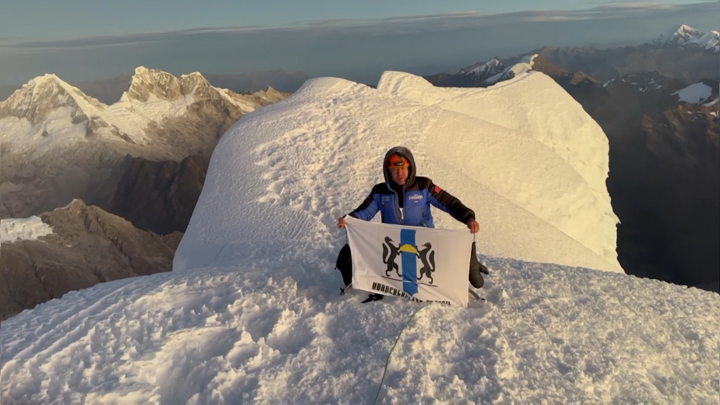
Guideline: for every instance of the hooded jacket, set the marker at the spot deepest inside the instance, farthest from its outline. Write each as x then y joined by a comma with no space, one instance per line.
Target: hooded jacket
415,197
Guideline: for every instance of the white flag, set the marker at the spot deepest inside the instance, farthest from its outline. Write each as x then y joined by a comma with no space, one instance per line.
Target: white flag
420,263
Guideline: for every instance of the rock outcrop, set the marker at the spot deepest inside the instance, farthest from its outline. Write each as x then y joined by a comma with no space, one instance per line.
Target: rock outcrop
87,246
160,196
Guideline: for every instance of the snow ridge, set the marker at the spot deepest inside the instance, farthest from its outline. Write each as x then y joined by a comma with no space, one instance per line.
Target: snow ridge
511,144
525,65
482,69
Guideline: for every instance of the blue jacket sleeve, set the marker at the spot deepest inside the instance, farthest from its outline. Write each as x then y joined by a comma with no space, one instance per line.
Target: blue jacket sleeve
367,210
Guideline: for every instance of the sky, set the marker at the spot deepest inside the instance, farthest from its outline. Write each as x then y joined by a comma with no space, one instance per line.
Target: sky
88,40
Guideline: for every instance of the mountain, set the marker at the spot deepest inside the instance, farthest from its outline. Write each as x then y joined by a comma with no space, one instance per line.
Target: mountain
495,70
664,177
663,135
685,36
251,311
160,196
59,144
279,79
682,53
109,91
106,91
82,246
510,140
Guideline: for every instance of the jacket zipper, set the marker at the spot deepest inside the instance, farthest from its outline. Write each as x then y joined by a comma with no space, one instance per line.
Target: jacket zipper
397,204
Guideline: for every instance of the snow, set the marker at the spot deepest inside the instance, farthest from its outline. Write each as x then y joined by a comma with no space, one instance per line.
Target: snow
525,65
95,109
131,117
685,35
483,68
535,177
680,34
251,312
16,229
709,40
695,93
275,332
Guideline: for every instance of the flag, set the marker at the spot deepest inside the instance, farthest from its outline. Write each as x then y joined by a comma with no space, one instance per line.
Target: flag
418,263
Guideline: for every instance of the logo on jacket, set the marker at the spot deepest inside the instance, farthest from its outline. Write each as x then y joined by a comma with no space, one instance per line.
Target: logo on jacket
409,253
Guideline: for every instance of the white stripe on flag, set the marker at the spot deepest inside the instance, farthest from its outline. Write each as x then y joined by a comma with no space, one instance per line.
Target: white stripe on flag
420,263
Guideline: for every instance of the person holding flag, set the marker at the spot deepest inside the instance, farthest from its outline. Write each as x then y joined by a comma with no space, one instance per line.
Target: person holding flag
405,199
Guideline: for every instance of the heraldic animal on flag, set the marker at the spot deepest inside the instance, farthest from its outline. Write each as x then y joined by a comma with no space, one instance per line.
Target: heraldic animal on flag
424,264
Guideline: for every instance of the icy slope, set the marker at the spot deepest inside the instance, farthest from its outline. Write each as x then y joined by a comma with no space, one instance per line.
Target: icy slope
271,329
535,182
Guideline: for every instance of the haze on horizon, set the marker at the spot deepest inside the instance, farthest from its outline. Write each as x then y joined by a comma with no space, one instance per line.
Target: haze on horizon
78,41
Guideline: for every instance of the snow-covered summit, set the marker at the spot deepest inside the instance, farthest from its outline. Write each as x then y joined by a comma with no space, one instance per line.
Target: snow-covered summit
683,35
490,67
147,83
48,107
533,171
38,98
678,35
525,65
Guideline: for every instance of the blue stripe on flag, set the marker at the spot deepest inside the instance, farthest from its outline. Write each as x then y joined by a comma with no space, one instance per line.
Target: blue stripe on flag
409,262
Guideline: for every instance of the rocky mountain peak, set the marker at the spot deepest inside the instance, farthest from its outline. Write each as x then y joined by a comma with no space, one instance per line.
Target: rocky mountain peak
42,95
147,84
269,95
153,82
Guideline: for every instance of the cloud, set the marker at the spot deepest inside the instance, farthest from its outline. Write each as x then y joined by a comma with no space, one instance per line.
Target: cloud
129,39
10,39
400,25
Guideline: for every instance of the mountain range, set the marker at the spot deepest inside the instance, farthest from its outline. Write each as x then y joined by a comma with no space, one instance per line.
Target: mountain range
683,53
59,144
110,91
664,151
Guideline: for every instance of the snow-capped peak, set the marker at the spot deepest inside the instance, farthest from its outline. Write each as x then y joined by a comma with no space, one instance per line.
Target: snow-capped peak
683,35
148,82
679,35
482,69
524,66
45,94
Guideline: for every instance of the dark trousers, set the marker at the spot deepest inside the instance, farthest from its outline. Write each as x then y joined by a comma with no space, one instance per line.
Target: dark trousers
344,264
